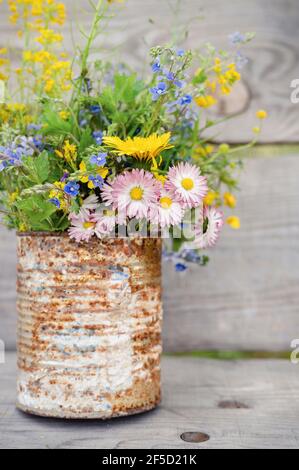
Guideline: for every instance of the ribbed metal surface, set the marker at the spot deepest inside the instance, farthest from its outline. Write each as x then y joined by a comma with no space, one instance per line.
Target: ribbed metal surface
89,331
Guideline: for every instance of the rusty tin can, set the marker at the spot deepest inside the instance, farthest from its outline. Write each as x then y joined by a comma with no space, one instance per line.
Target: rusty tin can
89,326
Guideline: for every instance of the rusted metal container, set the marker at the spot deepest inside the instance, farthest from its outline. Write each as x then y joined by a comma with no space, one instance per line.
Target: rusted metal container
89,328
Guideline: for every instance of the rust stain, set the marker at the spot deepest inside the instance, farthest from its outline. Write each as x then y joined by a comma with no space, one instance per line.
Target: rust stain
89,326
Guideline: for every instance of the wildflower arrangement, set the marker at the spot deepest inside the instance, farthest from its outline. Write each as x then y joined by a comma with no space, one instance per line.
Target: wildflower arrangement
96,150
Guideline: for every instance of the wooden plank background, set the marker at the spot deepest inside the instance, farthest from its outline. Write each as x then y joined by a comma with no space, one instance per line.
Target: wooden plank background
238,404
274,54
247,298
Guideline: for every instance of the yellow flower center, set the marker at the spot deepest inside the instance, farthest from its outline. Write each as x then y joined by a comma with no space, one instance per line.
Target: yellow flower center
88,225
188,184
166,202
108,213
136,194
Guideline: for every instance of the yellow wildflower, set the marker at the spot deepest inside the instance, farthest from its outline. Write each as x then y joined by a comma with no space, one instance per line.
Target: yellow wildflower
224,148
160,178
48,36
218,65
203,151
142,148
64,115
22,228
262,114
49,85
256,130
234,222
103,172
205,101
13,197
229,200
58,193
68,153
84,175
211,197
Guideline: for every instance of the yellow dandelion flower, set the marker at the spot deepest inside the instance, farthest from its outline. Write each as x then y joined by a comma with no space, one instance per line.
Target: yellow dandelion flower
234,222
142,148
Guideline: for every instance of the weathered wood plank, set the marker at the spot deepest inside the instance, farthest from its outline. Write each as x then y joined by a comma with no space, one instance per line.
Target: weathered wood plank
240,405
247,298
274,56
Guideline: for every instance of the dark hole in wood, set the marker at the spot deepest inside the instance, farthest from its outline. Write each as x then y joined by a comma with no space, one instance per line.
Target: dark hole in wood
232,405
195,437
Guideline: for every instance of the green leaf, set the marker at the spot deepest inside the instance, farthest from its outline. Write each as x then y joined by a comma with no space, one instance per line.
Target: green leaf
37,211
86,140
38,168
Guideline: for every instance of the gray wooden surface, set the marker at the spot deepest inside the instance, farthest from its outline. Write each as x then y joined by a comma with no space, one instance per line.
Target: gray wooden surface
247,297
274,54
240,405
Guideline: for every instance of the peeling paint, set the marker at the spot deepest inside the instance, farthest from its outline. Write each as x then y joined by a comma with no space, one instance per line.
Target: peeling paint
89,326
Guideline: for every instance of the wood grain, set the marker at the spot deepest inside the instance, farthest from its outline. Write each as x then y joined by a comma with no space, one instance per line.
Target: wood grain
247,297
193,392
274,54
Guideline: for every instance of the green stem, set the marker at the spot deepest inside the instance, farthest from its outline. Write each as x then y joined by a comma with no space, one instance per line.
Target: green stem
91,37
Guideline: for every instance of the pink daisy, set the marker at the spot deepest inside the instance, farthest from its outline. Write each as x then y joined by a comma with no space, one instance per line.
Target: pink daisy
187,184
208,231
83,227
168,210
106,221
132,193
91,203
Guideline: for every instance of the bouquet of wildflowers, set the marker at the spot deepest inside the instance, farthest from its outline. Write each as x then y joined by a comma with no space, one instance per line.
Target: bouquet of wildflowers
94,149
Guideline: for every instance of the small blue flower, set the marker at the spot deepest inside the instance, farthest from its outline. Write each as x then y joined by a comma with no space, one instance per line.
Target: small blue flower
98,137
37,142
241,60
159,90
97,181
99,160
95,109
65,177
237,38
156,67
87,85
34,127
191,256
180,52
180,267
185,100
3,165
172,107
170,76
83,123
15,156
178,83
72,189
55,201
